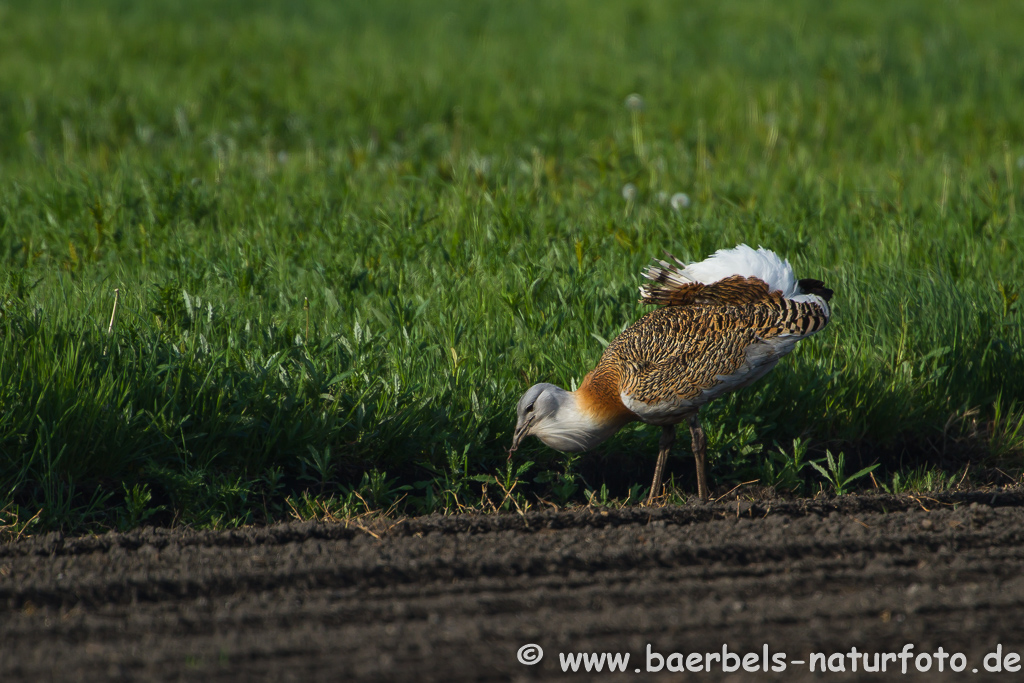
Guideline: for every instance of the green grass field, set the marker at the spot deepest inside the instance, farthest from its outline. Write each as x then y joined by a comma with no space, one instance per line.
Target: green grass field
345,237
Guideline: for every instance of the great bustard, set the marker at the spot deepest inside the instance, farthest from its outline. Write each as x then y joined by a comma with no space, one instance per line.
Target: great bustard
723,323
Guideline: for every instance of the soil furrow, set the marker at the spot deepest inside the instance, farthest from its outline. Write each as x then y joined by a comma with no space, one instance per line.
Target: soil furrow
454,598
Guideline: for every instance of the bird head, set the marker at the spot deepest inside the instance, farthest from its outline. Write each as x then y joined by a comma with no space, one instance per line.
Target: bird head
554,416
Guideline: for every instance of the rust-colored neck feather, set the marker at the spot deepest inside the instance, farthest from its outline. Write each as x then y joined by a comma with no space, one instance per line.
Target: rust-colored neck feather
599,397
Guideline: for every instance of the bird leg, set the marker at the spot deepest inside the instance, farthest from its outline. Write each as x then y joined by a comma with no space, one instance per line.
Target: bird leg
668,435
699,451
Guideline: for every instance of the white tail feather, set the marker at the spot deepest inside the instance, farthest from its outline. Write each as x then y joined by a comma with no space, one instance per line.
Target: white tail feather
762,263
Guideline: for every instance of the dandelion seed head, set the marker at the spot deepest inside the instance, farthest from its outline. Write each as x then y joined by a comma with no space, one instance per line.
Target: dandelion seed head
629,192
634,102
679,201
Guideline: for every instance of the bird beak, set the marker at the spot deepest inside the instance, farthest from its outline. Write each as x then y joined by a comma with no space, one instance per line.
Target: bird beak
522,430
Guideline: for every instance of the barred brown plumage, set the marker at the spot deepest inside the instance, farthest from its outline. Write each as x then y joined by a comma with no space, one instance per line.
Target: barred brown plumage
723,323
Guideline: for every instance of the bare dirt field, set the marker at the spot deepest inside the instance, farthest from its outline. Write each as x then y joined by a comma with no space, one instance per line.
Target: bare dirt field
455,598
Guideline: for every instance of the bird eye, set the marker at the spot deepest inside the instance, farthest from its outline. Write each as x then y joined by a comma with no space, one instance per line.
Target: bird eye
529,408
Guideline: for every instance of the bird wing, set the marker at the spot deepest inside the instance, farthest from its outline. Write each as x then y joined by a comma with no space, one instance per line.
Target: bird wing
675,359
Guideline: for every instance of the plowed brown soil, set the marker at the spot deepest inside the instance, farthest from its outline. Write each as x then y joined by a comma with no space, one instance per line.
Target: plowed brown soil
454,598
